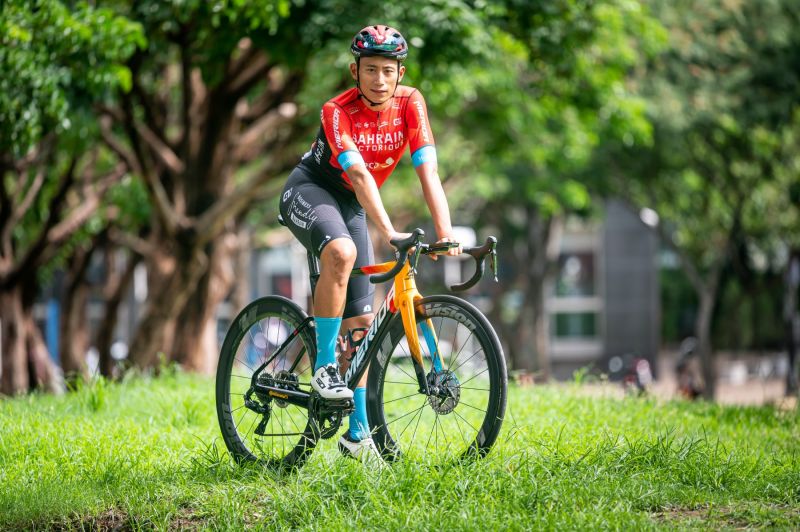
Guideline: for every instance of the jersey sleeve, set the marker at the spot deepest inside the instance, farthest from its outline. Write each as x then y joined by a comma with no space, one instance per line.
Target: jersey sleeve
338,132
420,136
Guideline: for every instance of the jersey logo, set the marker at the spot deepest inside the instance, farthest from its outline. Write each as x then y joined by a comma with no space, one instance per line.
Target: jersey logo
397,121
423,124
337,135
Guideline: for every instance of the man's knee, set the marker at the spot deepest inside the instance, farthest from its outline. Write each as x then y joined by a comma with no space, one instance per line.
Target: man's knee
340,255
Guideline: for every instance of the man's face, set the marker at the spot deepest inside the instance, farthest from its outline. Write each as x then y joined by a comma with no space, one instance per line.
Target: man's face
378,77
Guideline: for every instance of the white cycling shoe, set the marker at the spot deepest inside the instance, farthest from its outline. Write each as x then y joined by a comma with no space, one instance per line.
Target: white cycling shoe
329,385
364,450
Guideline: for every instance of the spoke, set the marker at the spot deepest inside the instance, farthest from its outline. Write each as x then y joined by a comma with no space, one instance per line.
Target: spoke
434,430
460,430
470,358
444,435
400,398
453,345
246,434
244,414
395,364
414,436
291,418
415,383
277,337
417,411
465,420
241,377
237,408
477,389
439,333
466,342
476,375
245,364
406,414
473,407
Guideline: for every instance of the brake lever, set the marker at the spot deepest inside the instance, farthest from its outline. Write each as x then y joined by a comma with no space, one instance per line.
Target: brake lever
415,259
493,260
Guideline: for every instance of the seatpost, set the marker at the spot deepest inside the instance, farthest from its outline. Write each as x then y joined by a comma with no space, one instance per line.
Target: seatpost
313,270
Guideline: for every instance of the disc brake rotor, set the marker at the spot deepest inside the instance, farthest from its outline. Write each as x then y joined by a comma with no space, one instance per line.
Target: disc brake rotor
445,391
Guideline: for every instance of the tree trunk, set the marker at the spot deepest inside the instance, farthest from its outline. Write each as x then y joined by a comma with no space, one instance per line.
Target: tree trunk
74,326
533,257
15,376
44,374
26,364
703,332
173,279
115,289
240,292
196,347
791,316
534,262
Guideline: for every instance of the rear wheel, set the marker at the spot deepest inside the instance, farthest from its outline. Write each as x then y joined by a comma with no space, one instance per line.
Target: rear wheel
257,427
466,375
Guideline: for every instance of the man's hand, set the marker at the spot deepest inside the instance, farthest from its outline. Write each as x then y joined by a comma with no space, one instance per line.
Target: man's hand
394,235
454,252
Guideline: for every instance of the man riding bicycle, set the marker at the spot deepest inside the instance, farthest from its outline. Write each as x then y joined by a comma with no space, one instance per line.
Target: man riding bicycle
364,132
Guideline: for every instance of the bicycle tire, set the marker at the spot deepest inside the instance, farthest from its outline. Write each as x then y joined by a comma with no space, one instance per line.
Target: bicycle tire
455,433
258,329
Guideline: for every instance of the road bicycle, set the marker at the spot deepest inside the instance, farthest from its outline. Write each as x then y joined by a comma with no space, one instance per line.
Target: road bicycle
436,383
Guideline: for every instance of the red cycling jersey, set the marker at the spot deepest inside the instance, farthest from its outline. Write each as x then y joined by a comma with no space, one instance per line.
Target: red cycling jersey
350,127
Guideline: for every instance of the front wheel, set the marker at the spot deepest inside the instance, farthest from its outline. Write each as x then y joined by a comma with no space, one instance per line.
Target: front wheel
466,376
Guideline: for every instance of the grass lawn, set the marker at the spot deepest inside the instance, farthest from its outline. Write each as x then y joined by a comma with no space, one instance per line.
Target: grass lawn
147,454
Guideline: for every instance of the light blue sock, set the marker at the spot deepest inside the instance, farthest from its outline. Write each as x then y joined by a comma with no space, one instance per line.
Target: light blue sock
359,426
327,332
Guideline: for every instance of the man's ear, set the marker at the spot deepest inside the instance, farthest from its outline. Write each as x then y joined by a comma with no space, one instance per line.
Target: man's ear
354,71
400,74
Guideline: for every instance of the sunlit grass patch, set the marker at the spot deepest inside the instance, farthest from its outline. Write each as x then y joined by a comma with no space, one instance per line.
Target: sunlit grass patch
147,453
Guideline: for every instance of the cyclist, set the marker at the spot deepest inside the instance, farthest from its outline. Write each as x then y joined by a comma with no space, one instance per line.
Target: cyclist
329,194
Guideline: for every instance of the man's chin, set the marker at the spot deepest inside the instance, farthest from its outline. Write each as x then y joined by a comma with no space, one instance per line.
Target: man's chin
380,98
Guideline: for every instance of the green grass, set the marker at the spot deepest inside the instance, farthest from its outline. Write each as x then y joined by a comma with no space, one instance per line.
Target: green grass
147,454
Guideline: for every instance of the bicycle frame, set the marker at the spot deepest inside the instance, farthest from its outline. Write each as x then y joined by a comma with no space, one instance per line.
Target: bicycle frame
402,297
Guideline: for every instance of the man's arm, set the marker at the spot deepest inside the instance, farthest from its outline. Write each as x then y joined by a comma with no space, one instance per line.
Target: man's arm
368,196
437,203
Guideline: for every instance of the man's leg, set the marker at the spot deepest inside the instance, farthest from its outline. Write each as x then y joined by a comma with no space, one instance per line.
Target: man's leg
336,262
359,425
314,216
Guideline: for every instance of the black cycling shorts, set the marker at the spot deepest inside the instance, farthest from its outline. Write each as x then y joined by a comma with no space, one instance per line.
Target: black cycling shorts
316,216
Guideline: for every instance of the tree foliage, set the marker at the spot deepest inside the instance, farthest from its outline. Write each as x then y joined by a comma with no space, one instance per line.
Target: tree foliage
56,61
721,99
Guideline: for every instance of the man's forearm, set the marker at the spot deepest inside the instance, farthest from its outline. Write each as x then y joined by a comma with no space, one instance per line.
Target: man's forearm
437,203
369,197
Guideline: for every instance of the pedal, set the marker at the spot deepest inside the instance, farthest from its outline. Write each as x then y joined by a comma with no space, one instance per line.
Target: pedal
345,406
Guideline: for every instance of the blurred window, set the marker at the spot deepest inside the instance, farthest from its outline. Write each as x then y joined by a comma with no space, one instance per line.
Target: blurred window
575,274
575,325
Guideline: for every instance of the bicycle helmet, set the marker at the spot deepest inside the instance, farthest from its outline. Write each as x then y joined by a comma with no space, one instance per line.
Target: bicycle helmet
379,40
